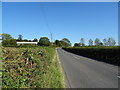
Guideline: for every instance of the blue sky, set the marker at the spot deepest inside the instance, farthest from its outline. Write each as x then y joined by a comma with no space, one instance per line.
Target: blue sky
87,20
0,17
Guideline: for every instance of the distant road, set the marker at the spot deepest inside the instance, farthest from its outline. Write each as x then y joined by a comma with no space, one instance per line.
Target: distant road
81,72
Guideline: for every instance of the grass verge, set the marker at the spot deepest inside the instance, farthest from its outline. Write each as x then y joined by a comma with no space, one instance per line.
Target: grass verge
31,67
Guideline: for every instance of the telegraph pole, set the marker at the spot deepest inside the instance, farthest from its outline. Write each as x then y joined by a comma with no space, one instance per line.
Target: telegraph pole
51,39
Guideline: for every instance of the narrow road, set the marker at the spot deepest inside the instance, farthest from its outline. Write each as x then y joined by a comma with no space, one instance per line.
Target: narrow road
82,72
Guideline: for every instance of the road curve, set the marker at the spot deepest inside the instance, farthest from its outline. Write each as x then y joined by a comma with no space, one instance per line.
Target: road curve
82,72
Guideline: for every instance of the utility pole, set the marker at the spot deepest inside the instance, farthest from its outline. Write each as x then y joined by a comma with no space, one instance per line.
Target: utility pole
51,39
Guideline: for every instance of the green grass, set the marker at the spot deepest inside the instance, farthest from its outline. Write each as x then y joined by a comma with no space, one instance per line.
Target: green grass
31,67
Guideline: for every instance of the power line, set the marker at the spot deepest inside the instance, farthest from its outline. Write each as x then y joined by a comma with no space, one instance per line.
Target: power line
46,21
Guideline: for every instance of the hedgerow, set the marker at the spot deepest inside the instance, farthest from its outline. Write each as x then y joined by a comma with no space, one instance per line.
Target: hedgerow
105,54
30,68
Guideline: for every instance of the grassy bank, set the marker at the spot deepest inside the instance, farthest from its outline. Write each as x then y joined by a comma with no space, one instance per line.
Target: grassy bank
31,67
105,54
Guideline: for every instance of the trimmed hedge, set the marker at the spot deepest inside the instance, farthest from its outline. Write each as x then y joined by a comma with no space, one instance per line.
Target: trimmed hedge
105,54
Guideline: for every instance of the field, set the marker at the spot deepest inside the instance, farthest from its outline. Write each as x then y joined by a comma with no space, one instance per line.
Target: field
105,54
31,67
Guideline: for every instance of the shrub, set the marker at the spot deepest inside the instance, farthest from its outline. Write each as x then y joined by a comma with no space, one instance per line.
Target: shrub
9,42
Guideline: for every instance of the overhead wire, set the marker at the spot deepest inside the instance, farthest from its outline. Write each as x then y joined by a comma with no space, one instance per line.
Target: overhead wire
46,19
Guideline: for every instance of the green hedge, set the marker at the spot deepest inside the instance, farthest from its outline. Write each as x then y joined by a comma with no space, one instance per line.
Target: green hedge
106,54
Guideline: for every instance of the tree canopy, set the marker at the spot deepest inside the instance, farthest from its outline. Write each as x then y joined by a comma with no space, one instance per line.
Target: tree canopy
35,40
9,42
20,37
6,36
44,41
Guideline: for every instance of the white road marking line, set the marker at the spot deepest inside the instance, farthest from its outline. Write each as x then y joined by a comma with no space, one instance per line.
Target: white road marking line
118,76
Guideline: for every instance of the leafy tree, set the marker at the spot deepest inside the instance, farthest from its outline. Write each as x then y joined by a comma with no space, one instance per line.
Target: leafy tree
35,40
76,44
82,42
57,43
25,40
90,42
105,42
20,37
111,41
97,42
65,42
44,41
9,42
29,40
6,36
101,44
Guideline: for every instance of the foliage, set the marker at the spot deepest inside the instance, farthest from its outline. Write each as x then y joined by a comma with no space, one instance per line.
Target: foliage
76,44
58,43
6,36
44,41
66,42
35,40
62,43
20,37
82,42
111,41
9,42
90,42
105,42
105,54
97,42
31,68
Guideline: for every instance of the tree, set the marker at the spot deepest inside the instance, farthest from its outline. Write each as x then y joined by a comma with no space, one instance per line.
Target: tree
97,42
65,42
44,41
105,42
57,43
20,37
6,36
35,40
9,42
82,42
90,42
29,40
76,44
101,44
111,41
25,40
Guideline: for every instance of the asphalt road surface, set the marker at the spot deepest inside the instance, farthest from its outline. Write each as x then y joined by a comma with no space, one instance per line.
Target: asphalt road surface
82,72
